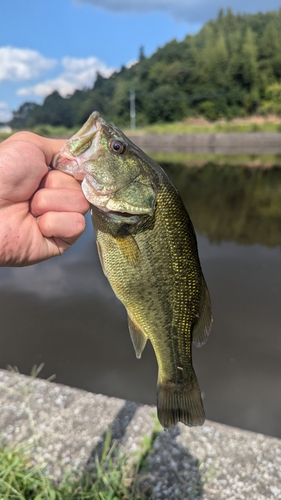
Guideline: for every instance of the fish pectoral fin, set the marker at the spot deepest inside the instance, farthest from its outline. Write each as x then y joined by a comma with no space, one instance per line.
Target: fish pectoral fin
203,325
129,248
100,256
138,337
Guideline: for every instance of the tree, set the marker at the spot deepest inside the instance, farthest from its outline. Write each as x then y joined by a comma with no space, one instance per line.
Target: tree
141,53
249,60
56,111
24,116
272,101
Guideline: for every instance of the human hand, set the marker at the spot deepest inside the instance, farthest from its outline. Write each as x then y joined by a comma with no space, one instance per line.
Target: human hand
41,211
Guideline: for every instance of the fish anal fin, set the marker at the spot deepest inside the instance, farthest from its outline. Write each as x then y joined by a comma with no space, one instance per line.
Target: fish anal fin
203,324
180,403
128,248
138,337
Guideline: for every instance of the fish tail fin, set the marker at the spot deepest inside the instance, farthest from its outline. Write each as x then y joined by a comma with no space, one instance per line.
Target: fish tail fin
180,403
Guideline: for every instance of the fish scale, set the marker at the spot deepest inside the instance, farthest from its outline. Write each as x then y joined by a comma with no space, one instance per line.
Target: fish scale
148,250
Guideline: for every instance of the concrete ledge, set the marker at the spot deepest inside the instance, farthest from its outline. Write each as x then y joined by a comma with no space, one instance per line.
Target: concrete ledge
253,143
65,427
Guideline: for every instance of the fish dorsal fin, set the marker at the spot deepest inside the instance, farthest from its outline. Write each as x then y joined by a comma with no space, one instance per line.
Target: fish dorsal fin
128,248
138,337
203,325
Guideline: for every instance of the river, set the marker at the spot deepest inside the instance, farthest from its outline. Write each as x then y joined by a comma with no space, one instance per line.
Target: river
63,313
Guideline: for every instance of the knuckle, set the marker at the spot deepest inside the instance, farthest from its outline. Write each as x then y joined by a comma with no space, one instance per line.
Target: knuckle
38,204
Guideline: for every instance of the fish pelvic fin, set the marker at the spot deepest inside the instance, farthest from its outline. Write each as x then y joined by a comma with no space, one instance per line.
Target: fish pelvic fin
180,403
203,324
138,337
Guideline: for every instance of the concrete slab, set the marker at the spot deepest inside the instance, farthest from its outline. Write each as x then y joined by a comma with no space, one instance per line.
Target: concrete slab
65,428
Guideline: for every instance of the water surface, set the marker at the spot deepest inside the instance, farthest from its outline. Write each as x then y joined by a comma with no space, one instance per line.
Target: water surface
63,313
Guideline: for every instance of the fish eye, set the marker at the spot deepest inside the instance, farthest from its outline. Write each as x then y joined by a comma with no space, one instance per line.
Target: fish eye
117,147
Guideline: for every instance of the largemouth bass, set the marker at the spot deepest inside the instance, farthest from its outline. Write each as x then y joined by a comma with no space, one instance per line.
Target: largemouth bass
148,251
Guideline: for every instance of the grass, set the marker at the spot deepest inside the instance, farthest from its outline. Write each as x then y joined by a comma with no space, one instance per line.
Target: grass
3,136
51,131
203,126
20,479
46,131
194,125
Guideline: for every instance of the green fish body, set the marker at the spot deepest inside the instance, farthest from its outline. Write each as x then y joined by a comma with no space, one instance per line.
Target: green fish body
148,251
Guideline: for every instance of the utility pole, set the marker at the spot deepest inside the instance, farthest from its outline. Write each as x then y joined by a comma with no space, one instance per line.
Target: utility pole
133,109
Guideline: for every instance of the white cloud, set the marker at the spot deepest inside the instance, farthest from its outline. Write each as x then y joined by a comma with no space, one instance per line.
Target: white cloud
77,74
138,5
22,64
5,113
131,63
191,11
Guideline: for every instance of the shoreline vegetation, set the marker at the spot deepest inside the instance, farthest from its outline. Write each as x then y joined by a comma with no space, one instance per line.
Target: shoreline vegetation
192,125
199,125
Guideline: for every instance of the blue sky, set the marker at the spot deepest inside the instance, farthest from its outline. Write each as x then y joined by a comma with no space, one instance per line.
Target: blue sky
48,45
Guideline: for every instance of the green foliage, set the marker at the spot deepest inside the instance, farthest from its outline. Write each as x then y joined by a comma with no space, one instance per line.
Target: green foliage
20,479
189,126
272,102
225,70
25,115
201,126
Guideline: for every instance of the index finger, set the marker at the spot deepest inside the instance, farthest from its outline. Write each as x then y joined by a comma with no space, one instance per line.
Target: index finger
49,147
55,179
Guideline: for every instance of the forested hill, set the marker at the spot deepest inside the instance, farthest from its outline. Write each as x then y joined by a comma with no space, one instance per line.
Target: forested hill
231,67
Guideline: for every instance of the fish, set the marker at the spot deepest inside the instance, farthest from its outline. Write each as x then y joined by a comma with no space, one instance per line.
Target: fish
148,251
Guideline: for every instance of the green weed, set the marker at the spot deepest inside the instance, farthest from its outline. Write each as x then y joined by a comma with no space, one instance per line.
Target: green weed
206,127
110,480
196,126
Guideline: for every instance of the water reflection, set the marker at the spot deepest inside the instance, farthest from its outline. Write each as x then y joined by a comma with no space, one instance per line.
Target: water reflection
232,203
64,313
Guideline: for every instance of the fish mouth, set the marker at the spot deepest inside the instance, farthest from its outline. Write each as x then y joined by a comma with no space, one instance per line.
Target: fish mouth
115,215
69,165
77,150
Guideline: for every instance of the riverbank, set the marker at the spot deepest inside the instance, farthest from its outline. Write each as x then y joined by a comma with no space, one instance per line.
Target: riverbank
189,126
254,143
255,150
200,125
66,429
